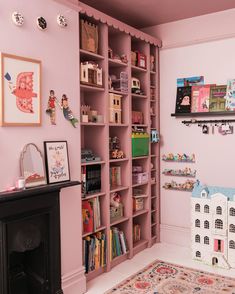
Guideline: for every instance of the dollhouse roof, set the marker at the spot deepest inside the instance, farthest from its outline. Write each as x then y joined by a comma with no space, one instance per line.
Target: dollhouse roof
211,190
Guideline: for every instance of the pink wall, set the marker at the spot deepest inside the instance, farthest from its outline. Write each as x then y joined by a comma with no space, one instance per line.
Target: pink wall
57,48
214,153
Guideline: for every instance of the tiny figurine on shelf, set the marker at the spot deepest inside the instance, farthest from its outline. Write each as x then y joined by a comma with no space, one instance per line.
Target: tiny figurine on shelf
187,186
124,58
90,115
115,199
135,86
115,108
51,107
67,111
87,155
119,83
154,136
137,117
141,60
110,53
91,74
152,62
186,172
152,93
114,148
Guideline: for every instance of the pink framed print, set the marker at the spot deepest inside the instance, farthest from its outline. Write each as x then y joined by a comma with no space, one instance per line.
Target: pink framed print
20,91
57,161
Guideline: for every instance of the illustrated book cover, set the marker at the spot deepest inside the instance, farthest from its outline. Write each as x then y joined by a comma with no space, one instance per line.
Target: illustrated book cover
230,95
183,100
190,81
217,98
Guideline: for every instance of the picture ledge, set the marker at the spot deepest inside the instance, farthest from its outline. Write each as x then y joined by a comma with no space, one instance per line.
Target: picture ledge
193,114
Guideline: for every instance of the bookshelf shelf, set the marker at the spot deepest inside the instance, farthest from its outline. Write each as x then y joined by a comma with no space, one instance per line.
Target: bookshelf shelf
136,69
118,188
137,213
96,231
138,96
117,79
92,163
90,55
115,63
119,221
87,88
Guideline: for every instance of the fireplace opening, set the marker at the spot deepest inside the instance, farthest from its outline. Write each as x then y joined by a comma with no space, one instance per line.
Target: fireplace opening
28,259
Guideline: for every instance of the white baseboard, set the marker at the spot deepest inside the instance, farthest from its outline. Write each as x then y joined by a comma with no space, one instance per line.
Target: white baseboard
175,235
74,282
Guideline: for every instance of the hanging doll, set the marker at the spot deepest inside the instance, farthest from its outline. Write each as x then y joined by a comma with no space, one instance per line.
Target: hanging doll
67,112
51,107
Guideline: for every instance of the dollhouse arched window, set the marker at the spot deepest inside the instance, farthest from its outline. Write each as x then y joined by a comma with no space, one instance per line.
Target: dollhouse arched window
197,223
198,254
206,240
197,239
232,211
218,224
218,210
206,225
206,208
197,207
231,244
232,228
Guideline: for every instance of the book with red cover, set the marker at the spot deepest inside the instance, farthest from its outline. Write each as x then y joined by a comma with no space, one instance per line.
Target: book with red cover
87,217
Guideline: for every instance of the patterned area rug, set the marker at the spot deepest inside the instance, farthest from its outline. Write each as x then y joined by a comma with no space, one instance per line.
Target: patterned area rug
166,278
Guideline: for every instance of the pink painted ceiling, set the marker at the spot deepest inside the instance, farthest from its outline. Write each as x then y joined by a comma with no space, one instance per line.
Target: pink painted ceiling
144,13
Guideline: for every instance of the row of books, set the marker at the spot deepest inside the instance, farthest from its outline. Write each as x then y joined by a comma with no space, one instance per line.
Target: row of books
118,243
206,98
136,233
115,176
91,218
94,249
91,179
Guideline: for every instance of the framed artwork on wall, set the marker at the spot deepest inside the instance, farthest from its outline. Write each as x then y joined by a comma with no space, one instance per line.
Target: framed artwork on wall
20,91
57,161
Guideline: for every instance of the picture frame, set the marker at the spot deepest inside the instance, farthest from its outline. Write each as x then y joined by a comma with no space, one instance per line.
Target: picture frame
56,161
20,101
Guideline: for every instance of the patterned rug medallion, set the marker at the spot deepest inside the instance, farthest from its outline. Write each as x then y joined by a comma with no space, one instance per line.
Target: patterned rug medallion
166,278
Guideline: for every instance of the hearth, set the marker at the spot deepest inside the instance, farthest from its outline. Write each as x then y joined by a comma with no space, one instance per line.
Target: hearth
30,241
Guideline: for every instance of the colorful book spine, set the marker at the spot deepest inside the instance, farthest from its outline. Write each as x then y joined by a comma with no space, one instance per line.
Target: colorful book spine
230,95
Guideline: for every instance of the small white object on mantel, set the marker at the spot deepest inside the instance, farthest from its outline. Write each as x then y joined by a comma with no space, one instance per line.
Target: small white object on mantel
17,18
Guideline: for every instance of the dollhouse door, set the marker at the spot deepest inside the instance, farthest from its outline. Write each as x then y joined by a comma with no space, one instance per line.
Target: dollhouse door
214,260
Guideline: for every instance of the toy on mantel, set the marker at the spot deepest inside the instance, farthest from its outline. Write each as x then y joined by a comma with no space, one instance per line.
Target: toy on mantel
187,172
187,186
179,157
213,225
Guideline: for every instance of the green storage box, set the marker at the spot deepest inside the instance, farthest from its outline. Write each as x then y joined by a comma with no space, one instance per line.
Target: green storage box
140,144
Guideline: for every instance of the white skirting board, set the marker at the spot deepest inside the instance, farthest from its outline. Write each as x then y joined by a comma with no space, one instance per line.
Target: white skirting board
175,235
74,282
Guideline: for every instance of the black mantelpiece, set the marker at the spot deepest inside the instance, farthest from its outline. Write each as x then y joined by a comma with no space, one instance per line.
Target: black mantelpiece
30,240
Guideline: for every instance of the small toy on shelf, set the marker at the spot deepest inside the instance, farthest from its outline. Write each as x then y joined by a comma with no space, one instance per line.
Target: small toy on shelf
114,148
154,136
138,203
187,186
89,115
87,156
89,36
135,86
137,117
115,199
91,74
138,59
138,175
119,84
152,63
115,108
117,57
186,172
178,157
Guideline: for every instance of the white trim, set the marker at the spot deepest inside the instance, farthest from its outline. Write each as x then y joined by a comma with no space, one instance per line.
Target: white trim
74,282
176,235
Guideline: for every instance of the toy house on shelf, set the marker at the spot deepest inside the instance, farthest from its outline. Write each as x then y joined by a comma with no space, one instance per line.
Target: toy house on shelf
213,225
91,74
115,108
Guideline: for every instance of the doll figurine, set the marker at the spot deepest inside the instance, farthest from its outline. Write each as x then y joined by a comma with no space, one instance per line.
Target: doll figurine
51,107
67,111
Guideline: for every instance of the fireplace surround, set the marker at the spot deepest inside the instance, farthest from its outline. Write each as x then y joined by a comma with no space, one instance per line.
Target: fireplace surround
30,260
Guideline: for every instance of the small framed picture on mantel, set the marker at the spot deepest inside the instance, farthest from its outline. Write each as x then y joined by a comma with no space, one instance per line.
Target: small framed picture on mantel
57,161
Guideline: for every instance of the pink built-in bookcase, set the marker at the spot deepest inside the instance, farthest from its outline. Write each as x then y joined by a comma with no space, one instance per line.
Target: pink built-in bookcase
123,39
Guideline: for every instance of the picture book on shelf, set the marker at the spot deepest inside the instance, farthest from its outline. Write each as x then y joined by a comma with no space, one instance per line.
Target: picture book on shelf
217,98
183,100
200,98
190,81
230,95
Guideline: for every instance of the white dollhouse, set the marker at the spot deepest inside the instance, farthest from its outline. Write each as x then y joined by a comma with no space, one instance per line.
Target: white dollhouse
213,225
115,108
91,73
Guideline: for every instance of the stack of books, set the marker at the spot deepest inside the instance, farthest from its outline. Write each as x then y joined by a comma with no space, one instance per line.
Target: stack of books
94,251
91,215
91,179
118,243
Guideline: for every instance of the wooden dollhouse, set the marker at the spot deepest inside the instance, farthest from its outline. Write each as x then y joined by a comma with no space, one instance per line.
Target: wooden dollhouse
115,108
91,73
213,225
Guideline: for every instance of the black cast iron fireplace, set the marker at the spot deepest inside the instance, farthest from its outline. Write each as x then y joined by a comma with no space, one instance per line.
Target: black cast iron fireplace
30,240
